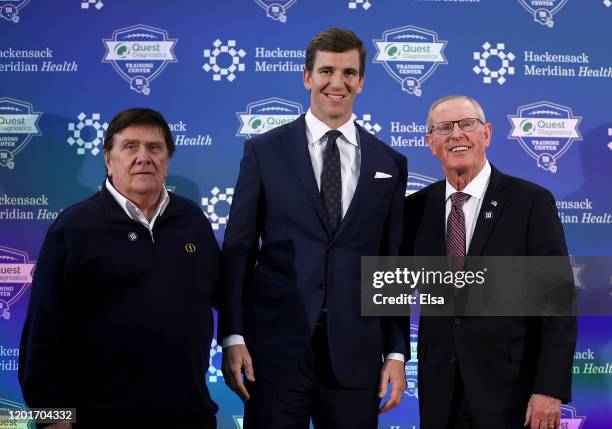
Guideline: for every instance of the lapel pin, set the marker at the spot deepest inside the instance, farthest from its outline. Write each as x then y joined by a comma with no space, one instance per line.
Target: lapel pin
488,215
132,236
494,203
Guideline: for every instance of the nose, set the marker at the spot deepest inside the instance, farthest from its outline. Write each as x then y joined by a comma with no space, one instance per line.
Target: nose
143,156
336,81
456,132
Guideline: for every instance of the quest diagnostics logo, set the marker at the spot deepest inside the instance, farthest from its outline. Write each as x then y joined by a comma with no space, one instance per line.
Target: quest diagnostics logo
543,11
264,115
18,124
9,9
276,9
417,181
410,55
139,54
570,419
545,131
16,271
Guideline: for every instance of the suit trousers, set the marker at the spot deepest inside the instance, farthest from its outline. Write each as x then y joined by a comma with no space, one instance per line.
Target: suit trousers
313,392
460,416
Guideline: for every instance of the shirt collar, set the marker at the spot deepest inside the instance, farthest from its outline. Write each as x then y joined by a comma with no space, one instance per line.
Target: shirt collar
317,130
130,208
477,187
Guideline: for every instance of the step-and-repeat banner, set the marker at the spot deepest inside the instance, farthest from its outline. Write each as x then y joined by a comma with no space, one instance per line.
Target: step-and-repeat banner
221,71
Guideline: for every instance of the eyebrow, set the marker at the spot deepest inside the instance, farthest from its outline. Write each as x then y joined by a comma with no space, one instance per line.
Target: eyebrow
140,141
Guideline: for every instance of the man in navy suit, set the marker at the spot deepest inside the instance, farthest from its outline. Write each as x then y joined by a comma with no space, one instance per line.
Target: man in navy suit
312,197
487,372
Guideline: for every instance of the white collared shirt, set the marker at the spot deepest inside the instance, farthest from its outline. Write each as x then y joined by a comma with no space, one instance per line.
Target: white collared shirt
134,212
476,189
350,155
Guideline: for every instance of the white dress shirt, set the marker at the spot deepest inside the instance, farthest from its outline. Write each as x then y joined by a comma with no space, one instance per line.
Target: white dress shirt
134,212
476,189
350,165
350,156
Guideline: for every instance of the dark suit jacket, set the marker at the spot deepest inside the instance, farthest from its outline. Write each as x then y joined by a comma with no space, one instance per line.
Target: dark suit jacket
502,359
279,258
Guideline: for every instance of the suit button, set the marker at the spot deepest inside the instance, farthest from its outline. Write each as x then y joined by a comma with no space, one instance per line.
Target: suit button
332,245
322,285
456,321
452,360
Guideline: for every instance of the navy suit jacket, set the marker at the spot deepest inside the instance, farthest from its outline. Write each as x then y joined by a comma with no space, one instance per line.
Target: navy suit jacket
503,360
279,257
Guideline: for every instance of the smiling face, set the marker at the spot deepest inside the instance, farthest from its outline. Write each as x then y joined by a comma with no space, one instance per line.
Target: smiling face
334,82
461,153
138,161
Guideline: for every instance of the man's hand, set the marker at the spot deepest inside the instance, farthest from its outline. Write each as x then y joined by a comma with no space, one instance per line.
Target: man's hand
237,359
392,372
543,412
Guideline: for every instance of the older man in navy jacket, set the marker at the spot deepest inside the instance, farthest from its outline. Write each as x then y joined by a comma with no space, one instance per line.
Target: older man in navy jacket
120,322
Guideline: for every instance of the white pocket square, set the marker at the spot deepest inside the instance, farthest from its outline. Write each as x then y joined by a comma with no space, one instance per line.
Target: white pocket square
381,175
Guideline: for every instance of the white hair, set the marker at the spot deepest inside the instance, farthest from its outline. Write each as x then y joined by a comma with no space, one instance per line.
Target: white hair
435,104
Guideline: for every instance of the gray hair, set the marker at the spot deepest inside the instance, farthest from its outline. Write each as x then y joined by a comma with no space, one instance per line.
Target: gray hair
435,104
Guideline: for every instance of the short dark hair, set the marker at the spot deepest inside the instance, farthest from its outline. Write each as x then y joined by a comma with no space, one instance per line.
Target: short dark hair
138,116
335,40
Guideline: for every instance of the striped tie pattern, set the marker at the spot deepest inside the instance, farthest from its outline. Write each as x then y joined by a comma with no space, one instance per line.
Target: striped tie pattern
331,180
455,232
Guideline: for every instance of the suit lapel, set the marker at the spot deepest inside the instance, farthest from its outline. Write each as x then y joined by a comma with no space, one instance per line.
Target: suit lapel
490,211
296,145
434,244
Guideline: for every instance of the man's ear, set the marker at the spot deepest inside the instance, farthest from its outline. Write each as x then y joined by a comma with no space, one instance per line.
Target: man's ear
488,134
307,76
107,162
429,143
361,83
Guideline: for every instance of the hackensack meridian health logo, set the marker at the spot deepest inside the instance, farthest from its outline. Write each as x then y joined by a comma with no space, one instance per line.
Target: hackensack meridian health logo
490,58
9,10
223,60
276,9
410,55
546,131
87,133
543,11
264,115
367,123
139,54
15,278
18,124
217,206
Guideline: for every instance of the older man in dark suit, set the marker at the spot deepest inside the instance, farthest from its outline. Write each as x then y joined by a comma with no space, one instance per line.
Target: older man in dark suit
493,372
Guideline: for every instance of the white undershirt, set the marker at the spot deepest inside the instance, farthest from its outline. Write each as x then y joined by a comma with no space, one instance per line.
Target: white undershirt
134,212
350,156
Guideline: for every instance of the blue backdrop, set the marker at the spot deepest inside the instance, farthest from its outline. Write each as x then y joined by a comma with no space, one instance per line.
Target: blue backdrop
223,70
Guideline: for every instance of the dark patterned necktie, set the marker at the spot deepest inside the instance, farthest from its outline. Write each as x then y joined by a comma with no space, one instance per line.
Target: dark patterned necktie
331,180
455,232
